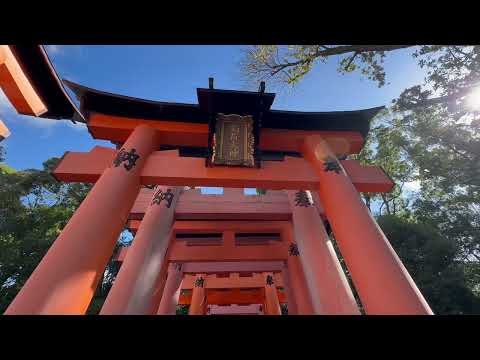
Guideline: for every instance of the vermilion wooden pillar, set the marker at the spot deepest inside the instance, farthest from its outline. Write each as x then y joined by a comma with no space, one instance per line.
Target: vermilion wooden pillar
66,278
300,290
132,291
287,286
157,291
272,305
327,284
383,283
171,292
296,276
198,304
303,298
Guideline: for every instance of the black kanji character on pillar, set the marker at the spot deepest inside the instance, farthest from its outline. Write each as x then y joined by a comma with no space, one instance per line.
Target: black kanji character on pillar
269,280
130,157
331,164
302,198
293,250
160,195
199,282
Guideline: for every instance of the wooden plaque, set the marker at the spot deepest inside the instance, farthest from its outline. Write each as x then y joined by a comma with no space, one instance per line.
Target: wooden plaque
233,141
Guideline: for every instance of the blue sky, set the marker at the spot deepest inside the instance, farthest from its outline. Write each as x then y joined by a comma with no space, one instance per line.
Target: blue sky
172,73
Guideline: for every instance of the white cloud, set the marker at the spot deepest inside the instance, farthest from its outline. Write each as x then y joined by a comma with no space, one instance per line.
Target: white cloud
54,49
36,122
10,114
57,51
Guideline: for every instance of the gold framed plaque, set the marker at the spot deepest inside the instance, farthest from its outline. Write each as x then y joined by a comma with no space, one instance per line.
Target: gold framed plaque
233,141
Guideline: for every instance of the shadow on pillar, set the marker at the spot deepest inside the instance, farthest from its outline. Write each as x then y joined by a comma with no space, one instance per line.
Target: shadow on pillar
106,281
331,236
345,269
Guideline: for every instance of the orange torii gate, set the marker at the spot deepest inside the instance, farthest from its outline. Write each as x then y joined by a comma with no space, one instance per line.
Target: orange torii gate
231,139
4,132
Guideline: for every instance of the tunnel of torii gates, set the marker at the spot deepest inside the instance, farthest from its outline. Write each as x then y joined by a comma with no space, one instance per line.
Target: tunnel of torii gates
219,254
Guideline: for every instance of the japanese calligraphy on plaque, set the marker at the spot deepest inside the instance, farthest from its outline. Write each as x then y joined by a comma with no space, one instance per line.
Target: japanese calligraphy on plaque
233,141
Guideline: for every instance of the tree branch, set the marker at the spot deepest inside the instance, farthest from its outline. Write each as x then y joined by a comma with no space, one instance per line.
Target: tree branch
337,50
351,59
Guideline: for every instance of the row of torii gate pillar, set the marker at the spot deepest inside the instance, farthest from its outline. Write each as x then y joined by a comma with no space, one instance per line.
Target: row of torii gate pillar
217,254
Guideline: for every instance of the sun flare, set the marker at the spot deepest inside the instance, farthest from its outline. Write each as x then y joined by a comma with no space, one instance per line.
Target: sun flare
473,99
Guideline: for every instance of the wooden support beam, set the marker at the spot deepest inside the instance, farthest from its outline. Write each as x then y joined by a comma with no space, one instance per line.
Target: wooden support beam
212,281
17,87
251,309
168,168
181,252
118,128
227,251
4,132
234,296
239,267
232,205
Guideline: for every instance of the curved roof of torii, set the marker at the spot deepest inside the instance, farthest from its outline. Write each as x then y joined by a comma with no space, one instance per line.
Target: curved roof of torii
39,70
231,101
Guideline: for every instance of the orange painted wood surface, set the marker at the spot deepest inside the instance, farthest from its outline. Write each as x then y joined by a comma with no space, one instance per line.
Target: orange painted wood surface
4,132
233,281
233,204
383,283
166,169
65,280
17,87
232,267
343,142
117,129
180,251
227,251
250,309
233,296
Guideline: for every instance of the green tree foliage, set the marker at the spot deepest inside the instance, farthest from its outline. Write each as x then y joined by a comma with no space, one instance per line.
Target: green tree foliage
431,259
292,62
34,208
182,309
381,149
